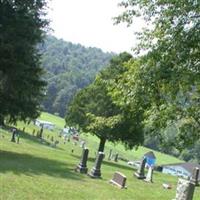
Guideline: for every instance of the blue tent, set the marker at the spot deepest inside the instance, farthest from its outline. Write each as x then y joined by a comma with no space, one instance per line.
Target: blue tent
150,158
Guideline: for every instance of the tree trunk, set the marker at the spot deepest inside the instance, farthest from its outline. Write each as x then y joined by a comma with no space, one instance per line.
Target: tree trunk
102,144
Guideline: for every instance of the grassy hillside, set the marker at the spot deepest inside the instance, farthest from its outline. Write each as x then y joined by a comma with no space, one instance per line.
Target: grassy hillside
35,170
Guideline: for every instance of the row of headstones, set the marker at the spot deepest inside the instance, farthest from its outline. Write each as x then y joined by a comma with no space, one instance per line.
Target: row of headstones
185,188
82,166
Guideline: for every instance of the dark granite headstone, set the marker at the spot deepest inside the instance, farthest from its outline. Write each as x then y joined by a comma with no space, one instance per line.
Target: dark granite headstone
195,176
110,154
14,131
119,179
96,170
82,167
116,157
140,173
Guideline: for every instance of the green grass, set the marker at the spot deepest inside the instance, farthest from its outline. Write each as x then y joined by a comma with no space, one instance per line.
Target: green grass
32,170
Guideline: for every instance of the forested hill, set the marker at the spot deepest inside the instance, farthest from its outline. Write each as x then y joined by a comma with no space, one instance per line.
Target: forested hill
69,67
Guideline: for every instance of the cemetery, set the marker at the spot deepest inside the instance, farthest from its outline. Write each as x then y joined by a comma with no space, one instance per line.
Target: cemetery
35,166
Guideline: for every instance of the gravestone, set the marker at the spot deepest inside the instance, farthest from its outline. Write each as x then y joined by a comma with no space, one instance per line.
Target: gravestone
110,154
140,173
185,190
195,176
41,133
33,133
149,177
119,179
96,170
82,167
116,157
14,131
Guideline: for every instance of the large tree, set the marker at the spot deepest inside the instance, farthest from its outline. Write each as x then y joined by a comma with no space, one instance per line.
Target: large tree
169,74
94,111
22,27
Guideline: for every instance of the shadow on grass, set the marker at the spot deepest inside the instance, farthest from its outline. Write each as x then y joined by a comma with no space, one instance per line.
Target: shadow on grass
109,163
31,165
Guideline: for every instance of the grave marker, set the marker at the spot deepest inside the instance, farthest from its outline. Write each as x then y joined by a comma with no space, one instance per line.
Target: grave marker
149,177
119,179
82,167
185,190
195,176
116,157
140,173
96,170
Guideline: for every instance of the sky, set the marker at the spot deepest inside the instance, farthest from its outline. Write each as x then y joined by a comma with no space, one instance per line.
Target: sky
90,23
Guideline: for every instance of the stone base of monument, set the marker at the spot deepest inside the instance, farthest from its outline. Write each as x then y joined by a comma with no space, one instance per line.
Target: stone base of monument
81,169
185,190
139,176
95,173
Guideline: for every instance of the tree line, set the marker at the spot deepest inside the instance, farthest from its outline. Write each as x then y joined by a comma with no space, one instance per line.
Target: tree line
69,67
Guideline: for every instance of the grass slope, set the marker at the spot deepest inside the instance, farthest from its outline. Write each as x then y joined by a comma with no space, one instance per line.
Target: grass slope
32,170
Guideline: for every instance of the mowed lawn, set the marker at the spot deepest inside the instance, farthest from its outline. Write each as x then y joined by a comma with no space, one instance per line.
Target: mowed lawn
34,170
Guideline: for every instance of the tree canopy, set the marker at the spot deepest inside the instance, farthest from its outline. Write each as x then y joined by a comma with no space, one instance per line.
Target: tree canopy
169,73
22,26
94,110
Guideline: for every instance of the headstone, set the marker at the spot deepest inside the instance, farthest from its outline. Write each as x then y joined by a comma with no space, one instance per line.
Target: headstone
82,167
14,131
110,154
119,179
17,138
185,190
149,177
140,173
96,170
41,132
33,133
195,176
116,157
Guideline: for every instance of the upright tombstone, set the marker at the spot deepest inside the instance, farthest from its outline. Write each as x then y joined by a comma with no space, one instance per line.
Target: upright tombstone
14,131
149,177
185,190
96,170
82,167
140,173
195,176
116,157
110,154
119,179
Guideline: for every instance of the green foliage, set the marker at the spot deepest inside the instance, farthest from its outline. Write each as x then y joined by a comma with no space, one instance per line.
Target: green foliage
69,68
168,76
94,111
22,25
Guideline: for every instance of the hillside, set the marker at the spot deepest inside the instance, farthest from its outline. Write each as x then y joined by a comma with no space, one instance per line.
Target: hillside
69,67
35,170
